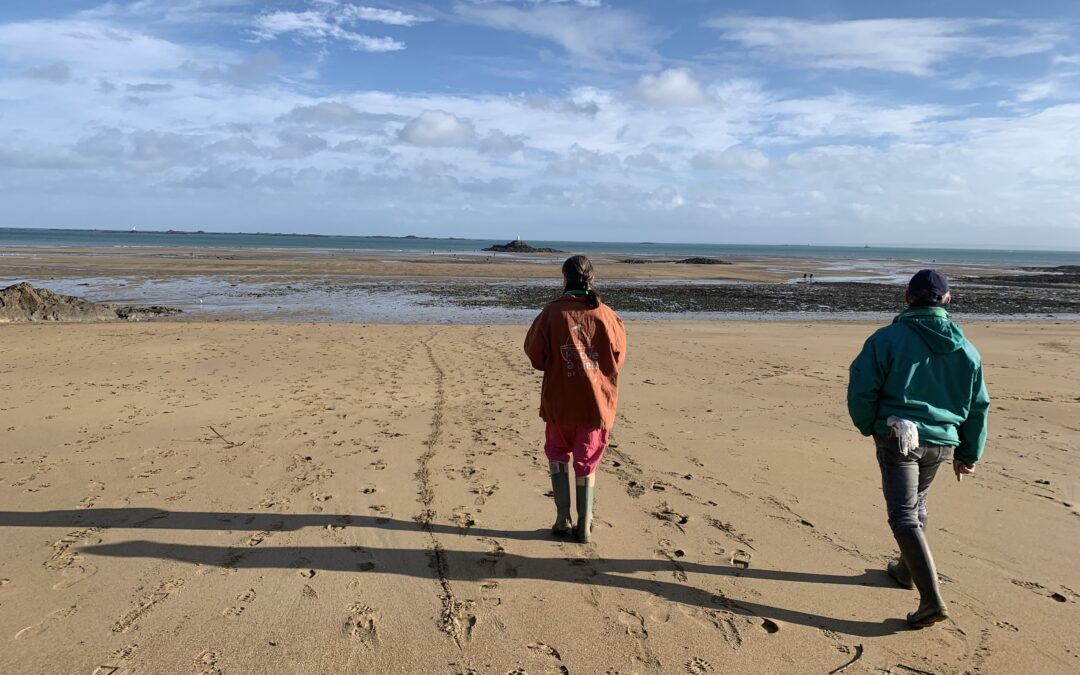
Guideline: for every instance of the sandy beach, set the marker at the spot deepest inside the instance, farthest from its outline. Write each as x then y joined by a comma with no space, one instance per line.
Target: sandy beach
296,498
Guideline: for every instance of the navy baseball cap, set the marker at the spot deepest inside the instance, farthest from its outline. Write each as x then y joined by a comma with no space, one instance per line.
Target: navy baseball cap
928,283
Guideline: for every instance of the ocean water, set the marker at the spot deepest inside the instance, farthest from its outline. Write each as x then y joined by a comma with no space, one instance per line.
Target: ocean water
47,238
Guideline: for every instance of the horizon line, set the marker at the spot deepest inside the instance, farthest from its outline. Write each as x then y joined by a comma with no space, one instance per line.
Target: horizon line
890,245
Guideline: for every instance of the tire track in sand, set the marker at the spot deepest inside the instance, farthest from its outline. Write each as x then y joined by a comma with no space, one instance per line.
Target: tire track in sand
457,619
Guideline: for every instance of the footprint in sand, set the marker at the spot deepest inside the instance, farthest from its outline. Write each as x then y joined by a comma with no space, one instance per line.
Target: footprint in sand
740,559
699,666
634,624
362,624
550,654
463,519
43,625
259,537
667,514
383,511
207,662
243,598
488,595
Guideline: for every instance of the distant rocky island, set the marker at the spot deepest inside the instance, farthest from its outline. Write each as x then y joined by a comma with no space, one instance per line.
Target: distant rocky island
518,246
702,261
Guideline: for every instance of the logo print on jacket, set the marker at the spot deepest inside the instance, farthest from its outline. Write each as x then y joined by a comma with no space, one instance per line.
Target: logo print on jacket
578,354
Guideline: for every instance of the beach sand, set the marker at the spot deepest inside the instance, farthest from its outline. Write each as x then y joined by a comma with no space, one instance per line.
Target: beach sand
345,265
295,498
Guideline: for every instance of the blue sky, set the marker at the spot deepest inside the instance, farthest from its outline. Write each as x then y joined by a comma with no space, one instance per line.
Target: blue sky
691,120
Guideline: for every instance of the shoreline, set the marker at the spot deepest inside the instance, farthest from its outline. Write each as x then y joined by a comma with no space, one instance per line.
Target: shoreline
343,286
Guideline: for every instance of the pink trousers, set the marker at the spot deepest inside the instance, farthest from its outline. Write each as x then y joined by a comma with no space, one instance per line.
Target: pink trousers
585,444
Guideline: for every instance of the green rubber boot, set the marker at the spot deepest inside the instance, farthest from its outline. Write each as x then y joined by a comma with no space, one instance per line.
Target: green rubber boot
560,489
920,564
585,488
897,569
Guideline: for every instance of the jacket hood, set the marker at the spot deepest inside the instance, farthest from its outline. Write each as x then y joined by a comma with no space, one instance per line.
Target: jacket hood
935,327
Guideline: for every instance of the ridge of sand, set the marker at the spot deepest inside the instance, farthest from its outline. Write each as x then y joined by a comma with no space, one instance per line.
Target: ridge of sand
252,498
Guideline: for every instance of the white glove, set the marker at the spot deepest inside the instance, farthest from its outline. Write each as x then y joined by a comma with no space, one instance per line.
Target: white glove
906,432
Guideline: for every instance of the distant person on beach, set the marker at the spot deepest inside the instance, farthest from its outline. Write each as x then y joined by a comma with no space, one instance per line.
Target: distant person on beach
917,387
580,344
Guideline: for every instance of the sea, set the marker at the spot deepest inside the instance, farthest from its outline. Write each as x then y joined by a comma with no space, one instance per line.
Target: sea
76,238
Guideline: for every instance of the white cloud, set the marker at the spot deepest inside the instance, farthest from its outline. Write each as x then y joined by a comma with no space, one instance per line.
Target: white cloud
322,24
89,47
335,115
912,46
248,70
500,144
590,35
393,17
220,178
674,87
731,159
438,128
643,160
150,87
177,12
666,198
57,73
297,145
843,115
584,161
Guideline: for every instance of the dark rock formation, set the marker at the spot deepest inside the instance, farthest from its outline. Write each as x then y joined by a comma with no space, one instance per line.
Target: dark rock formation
702,261
22,303
518,246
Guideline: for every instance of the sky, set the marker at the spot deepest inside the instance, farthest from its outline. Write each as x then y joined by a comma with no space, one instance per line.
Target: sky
833,122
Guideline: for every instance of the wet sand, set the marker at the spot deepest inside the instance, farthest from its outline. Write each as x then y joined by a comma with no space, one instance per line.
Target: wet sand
389,287
260,497
307,264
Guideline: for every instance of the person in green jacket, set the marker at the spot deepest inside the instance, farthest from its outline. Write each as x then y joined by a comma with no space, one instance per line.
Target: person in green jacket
917,388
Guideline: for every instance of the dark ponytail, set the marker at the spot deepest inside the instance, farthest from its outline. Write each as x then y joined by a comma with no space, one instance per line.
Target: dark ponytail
578,273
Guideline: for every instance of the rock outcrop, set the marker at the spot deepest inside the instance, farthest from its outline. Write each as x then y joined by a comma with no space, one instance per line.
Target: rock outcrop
22,303
702,261
518,246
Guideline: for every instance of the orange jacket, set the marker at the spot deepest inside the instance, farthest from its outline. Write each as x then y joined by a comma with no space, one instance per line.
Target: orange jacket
580,349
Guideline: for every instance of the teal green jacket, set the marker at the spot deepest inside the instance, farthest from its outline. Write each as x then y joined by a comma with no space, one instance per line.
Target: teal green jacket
922,369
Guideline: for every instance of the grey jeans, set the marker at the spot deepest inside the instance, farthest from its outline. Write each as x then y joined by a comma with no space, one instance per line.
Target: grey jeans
906,480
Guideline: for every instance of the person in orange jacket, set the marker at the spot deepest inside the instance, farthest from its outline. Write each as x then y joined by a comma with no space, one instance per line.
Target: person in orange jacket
580,344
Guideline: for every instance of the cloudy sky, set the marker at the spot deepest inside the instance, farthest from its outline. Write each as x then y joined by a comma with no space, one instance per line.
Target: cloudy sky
615,120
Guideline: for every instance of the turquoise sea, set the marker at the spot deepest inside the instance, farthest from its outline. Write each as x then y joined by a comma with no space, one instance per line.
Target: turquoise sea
47,238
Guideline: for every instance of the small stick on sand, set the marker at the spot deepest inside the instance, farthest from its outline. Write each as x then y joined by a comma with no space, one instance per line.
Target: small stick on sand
858,655
228,444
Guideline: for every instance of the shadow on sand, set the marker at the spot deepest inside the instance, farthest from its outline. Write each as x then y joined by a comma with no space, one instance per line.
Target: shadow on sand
459,565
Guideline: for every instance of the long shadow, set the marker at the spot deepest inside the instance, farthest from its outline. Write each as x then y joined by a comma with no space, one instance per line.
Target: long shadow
145,518
479,566
160,519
